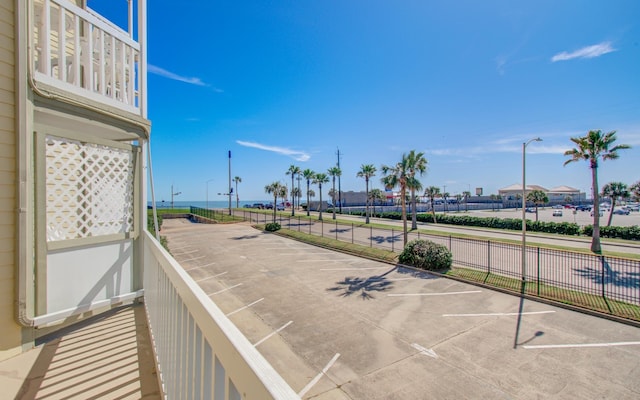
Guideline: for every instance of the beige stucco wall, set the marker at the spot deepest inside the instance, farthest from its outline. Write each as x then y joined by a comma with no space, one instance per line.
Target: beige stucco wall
10,331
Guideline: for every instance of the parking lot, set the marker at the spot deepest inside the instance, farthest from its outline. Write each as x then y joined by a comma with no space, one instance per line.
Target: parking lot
340,327
581,218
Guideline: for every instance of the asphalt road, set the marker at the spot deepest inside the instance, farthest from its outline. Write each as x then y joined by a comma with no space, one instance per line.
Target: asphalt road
339,327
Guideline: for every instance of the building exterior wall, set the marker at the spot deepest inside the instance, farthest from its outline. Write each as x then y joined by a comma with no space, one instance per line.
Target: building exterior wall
10,331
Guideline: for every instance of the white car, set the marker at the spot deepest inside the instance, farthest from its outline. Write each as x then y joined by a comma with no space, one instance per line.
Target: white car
557,213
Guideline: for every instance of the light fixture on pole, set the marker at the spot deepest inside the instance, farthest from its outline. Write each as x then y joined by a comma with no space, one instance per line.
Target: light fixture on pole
173,194
524,206
208,192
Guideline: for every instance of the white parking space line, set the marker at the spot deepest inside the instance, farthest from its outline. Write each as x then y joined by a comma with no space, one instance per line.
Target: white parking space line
224,290
245,307
424,350
192,259
272,333
326,260
212,276
317,378
188,252
200,266
174,248
353,268
566,346
433,294
498,314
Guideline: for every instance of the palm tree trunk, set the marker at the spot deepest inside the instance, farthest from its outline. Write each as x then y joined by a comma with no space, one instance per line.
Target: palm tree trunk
595,235
414,219
366,201
333,200
293,198
320,204
404,213
613,205
308,202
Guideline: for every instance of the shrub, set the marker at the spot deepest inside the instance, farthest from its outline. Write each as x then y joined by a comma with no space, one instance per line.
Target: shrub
272,227
427,255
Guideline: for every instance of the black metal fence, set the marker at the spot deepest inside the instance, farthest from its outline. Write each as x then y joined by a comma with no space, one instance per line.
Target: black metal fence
566,276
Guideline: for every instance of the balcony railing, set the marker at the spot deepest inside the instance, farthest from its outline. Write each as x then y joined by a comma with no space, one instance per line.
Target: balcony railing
200,353
79,51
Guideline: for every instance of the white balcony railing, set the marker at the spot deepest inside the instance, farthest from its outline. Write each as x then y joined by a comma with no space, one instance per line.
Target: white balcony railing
201,354
79,51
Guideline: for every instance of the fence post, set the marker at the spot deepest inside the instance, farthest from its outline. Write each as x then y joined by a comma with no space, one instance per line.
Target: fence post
538,264
602,261
488,256
449,242
352,229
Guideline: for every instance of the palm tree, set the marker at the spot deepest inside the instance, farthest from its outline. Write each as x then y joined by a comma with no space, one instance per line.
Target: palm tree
319,179
396,176
366,172
277,190
417,164
614,191
376,195
635,191
333,172
494,198
466,195
458,199
537,197
445,196
237,180
293,171
296,195
308,175
590,148
432,192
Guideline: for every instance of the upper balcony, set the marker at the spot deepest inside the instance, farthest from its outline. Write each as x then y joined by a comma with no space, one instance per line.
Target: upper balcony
79,51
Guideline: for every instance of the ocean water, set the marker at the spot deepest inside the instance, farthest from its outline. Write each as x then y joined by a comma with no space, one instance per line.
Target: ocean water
204,204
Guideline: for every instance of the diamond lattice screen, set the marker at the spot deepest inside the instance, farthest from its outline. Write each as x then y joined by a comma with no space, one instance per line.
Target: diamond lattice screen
89,189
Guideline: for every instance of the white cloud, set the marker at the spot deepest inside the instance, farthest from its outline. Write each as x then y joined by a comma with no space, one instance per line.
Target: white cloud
170,75
586,52
296,155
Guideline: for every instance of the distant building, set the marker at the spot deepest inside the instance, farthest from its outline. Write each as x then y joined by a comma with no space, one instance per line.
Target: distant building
559,194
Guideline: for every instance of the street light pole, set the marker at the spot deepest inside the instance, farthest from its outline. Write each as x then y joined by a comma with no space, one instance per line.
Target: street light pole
524,205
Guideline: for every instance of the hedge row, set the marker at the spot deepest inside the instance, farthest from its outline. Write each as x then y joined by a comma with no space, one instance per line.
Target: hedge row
562,228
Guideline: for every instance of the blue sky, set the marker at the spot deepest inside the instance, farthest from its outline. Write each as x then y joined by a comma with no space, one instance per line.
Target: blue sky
466,82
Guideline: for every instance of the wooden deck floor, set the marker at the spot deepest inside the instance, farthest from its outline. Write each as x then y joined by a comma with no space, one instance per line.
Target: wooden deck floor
106,357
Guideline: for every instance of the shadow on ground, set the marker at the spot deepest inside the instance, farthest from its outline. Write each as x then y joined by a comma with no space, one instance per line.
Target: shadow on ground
363,287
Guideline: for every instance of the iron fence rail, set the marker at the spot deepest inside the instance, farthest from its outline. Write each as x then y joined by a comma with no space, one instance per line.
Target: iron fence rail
609,278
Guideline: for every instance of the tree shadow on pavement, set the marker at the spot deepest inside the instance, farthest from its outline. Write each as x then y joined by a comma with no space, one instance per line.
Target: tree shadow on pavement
416,274
385,239
608,276
362,287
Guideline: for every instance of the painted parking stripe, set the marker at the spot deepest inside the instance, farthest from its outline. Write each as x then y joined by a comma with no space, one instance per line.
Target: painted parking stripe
566,346
245,307
326,260
424,350
224,290
212,276
272,333
498,314
433,294
187,252
317,378
353,268
193,259
200,266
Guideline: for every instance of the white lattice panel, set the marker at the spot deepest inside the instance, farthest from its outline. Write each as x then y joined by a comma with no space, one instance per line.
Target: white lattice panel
89,189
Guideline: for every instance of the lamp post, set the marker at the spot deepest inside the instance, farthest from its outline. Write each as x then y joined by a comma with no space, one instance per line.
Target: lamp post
208,192
524,206
173,194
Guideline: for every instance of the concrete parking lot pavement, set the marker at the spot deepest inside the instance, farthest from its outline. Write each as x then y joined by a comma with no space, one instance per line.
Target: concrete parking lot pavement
337,326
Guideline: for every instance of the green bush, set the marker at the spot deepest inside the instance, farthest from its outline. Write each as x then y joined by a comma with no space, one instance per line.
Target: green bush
425,254
272,227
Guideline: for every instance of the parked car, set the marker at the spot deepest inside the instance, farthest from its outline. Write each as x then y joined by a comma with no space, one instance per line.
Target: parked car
257,205
583,208
280,207
569,206
633,207
601,212
247,206
557,213
621,211
268,206
530,210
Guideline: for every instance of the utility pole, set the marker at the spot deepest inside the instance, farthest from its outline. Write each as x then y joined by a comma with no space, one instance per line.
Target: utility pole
339,186
230,187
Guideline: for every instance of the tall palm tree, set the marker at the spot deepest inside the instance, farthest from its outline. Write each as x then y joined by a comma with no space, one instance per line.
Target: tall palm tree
277,190
293,171
237,180
432,192
458,199
445,196
467,195
538,198
417,165
333,172
396,176
376,195
366,171
635,191
614,191
308,175
592,147
296,195
319,179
